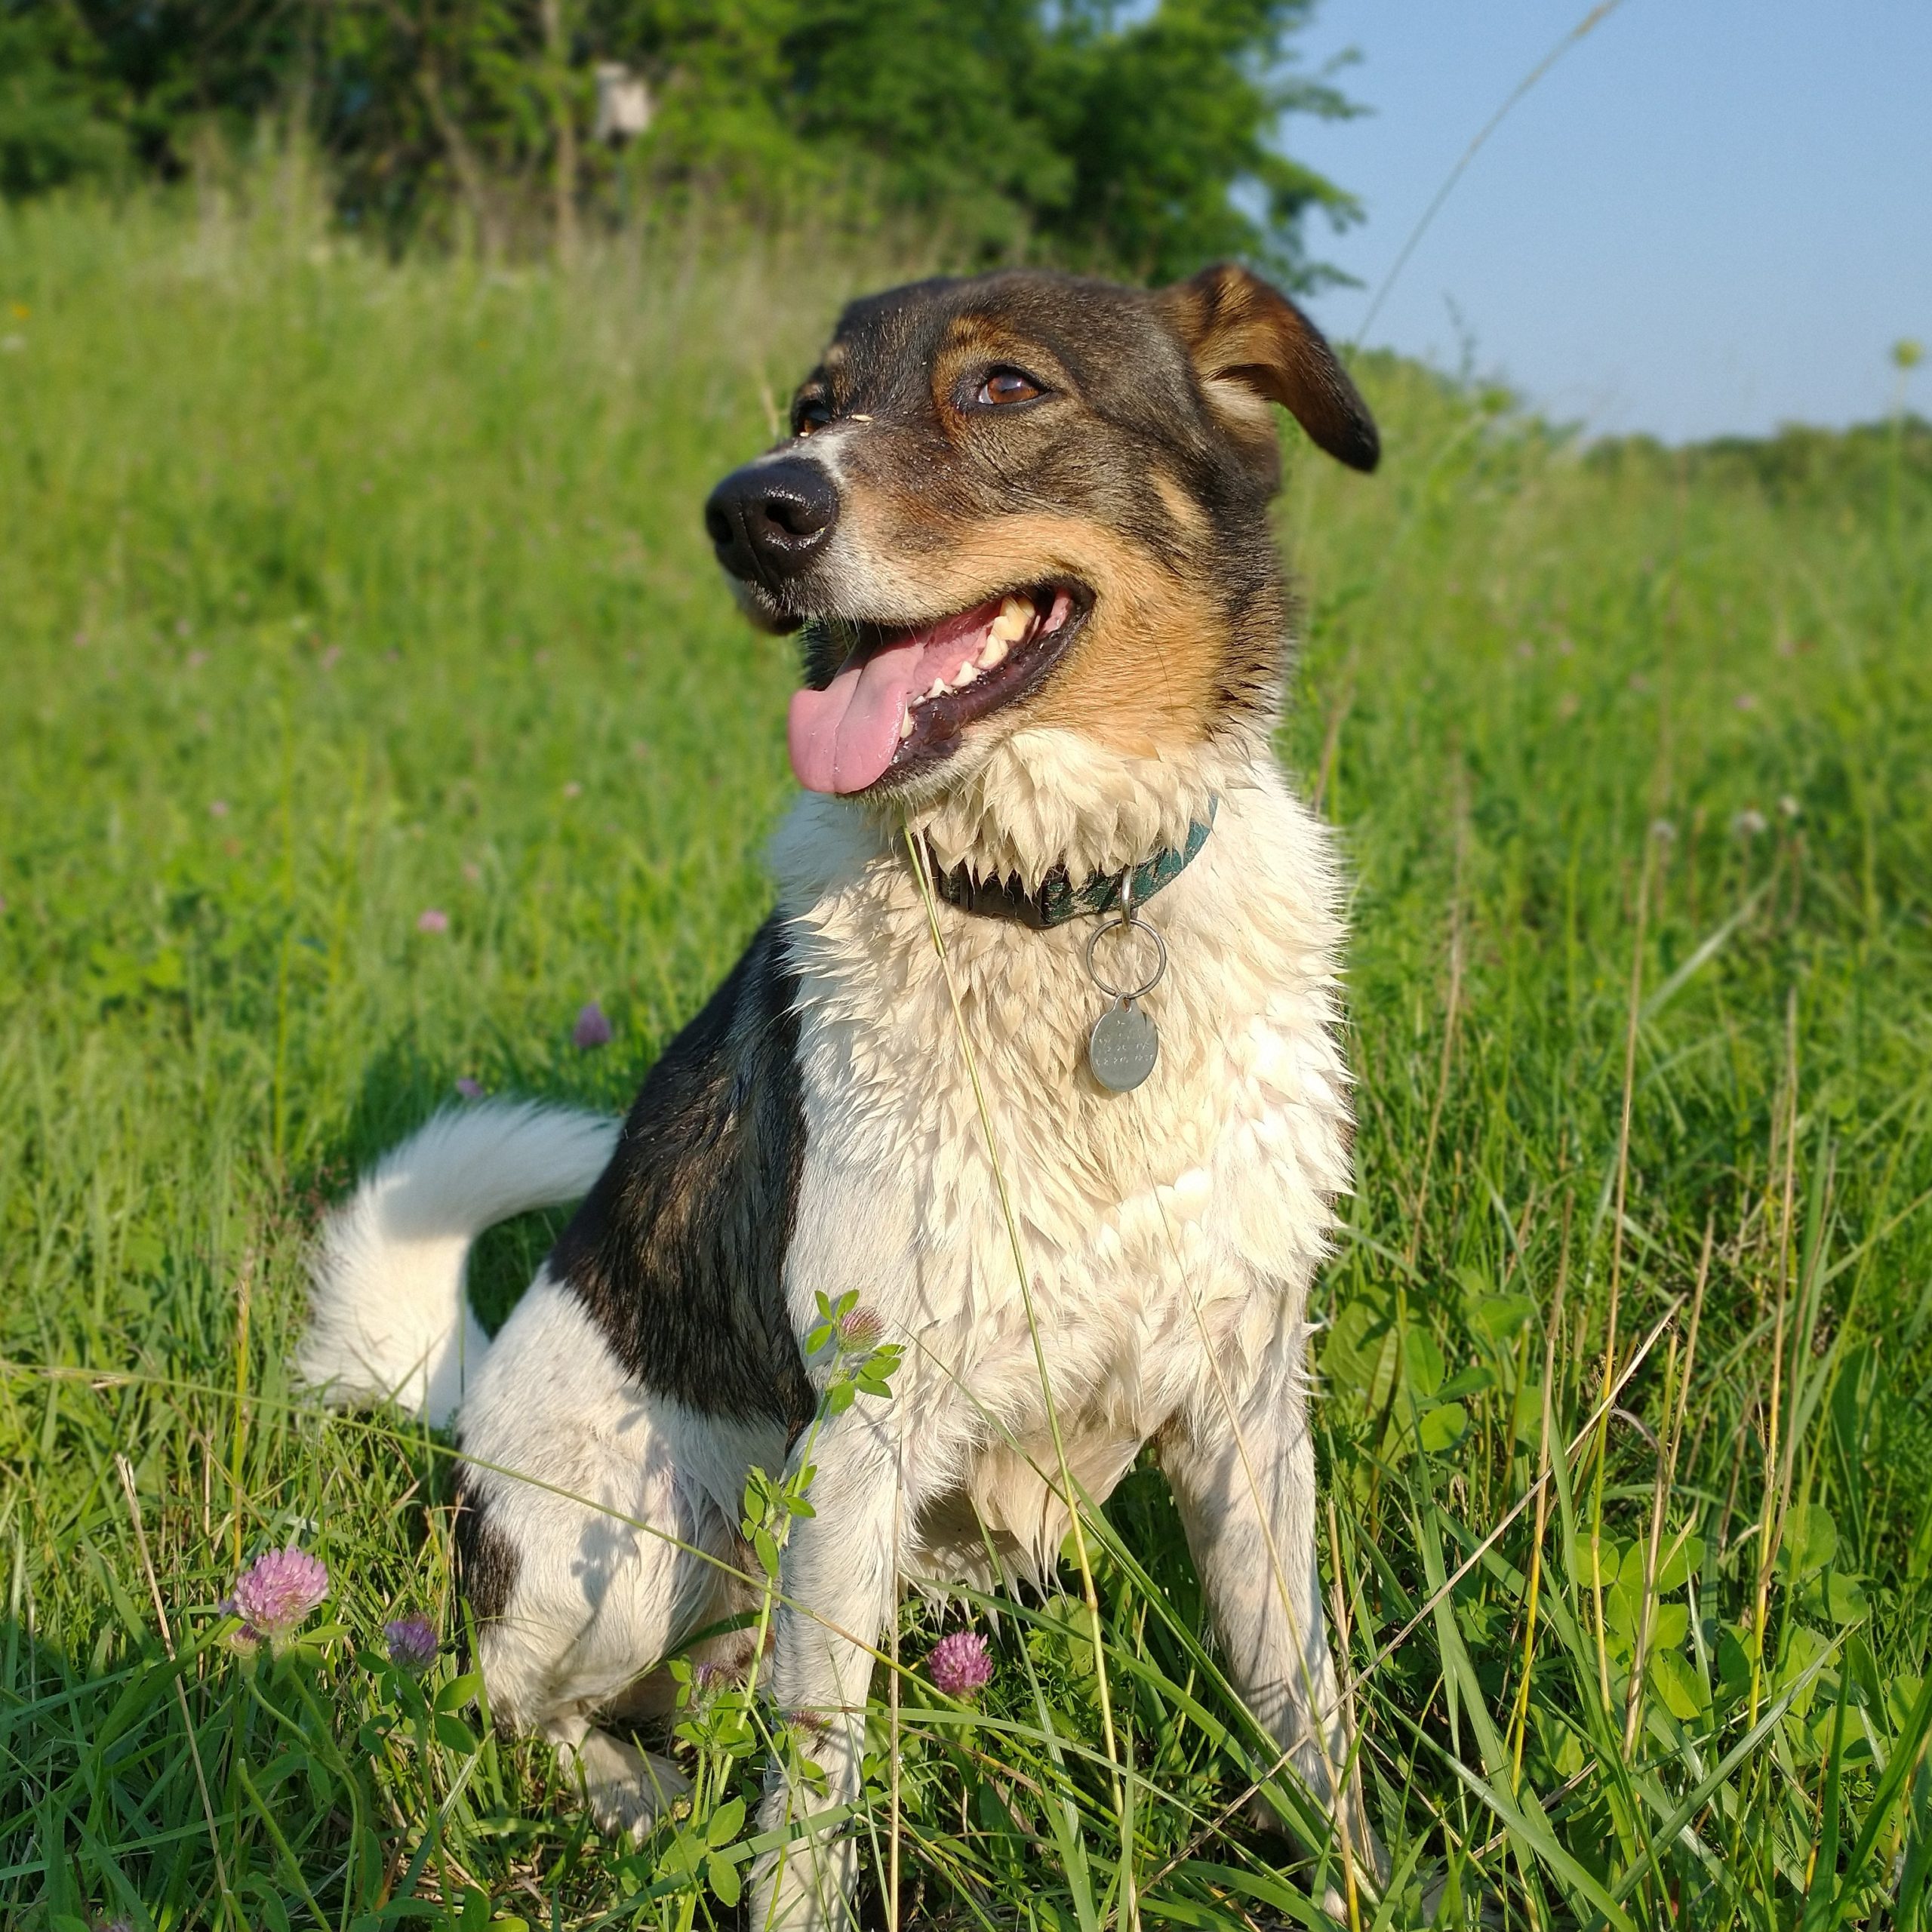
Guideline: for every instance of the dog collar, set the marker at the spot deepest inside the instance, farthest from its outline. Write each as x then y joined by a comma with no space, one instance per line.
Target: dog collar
1058,898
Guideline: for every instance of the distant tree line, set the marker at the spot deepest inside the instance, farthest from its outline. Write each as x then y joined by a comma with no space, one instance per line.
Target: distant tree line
1867,465
1141,139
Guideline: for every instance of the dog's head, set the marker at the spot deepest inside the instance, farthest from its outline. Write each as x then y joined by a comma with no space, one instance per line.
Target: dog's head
1029,501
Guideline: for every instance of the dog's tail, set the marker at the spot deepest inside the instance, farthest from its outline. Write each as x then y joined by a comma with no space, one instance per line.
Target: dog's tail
388,1319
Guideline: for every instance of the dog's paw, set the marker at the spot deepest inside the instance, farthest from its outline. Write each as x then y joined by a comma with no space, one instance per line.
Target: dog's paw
627,1789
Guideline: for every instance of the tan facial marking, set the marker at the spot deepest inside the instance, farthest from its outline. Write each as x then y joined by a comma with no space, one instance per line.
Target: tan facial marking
1144,676
1185,510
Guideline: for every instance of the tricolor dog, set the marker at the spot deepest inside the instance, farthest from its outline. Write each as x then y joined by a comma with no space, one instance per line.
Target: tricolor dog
1021,524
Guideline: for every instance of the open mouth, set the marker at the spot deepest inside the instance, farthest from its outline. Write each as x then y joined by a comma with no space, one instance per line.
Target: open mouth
905,693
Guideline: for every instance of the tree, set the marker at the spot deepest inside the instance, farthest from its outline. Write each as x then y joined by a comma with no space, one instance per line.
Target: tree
1027,132
1022,129
61,118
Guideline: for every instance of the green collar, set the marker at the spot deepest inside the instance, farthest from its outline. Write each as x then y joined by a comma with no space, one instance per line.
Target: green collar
1058,899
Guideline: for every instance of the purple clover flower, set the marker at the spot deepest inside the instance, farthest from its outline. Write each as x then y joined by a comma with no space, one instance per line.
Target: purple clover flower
277,1592
860,1331
432,919
413,1642
470,1090
960,1665
592,1028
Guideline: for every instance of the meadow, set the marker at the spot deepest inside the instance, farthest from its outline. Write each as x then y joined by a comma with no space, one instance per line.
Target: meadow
371,706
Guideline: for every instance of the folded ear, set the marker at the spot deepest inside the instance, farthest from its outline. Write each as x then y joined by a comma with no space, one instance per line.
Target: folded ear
1250,346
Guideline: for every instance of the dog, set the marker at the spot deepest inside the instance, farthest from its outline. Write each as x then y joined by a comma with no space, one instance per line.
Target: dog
1022,522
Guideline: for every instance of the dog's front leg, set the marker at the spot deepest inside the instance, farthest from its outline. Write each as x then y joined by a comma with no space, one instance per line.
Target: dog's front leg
1243,1477
839,1579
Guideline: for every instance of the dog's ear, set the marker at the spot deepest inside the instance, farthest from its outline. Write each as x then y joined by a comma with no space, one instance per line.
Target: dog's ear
1250,346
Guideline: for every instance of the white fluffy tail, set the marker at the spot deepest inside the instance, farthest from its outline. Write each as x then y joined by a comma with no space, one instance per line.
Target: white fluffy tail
389,1320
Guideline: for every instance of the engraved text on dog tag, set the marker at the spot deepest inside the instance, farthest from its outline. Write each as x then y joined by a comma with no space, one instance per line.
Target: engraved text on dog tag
1122,1048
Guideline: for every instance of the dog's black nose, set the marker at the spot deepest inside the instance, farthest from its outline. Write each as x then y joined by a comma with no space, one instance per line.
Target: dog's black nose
769,520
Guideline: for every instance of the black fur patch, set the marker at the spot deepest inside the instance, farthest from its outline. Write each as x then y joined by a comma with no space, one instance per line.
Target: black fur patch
486,1559
678,1251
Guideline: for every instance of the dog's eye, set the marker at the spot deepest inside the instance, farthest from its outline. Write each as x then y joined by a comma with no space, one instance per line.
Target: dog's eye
812,414
1007,386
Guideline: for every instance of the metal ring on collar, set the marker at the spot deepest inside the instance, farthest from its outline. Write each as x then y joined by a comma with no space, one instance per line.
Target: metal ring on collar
1129,925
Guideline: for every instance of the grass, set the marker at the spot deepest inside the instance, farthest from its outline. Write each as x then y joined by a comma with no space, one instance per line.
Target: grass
333,593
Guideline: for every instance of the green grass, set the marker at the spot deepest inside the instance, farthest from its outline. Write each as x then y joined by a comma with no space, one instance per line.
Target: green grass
332,591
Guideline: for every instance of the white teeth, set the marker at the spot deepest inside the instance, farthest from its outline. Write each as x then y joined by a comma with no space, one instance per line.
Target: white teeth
967,673
1015,614
905,726
938,685
994,651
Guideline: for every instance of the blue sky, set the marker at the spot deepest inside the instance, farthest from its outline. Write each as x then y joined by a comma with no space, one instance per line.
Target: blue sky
1711,216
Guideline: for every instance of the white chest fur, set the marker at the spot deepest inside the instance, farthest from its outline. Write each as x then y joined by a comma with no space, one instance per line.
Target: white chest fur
1169,1233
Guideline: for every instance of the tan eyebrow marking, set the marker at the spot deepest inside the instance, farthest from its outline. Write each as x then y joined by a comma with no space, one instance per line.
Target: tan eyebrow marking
1180,506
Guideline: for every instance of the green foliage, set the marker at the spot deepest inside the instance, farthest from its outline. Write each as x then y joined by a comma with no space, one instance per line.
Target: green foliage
1853,469
1145,147
399,568
1063,134
60,114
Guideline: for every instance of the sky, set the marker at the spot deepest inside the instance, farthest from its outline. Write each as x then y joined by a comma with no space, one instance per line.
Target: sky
1710,218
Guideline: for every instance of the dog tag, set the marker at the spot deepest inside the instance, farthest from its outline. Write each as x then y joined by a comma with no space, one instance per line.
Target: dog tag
1122,1048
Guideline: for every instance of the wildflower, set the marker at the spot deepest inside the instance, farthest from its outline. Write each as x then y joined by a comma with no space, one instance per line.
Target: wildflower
1663,830
277,1591
572,790
1748,823
713,1675
432,919
470,1090
195,660
80,640
592,1028
860,1332
960,1664
809,1729
1747,701
1788,807
217,808
412,1642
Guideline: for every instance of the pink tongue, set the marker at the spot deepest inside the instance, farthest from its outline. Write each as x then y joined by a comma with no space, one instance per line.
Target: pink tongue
842,738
